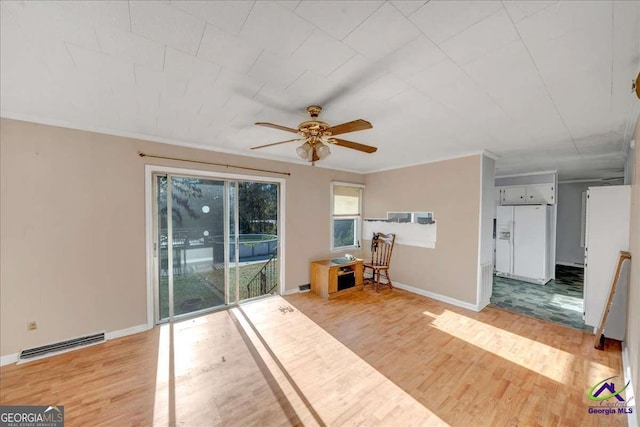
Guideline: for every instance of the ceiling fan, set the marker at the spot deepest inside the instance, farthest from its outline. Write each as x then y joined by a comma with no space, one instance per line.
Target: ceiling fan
317,136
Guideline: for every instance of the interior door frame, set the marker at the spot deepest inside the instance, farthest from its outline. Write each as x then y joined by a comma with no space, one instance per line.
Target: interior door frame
151,170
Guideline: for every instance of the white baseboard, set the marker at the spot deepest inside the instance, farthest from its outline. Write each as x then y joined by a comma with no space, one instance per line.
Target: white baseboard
291,291
481,306
15,357
128,331
433,295
9,359
632,419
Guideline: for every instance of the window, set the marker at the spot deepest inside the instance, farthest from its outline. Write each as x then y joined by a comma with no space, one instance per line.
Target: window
346,204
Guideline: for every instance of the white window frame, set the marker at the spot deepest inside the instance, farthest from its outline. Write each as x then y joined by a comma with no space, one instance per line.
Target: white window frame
358,218
152,169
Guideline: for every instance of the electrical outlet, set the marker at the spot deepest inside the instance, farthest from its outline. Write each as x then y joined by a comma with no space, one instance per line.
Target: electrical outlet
32,326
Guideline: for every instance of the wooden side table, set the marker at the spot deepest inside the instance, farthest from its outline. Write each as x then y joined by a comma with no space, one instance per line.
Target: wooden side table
330,279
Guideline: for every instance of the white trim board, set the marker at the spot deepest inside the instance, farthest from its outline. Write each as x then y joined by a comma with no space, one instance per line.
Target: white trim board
9,359
526,174
490,154
15,357
632,419
433,295
127,331
572,181
480,206
479,268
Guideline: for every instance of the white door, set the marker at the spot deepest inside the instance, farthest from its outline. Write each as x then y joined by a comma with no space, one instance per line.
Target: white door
607,233
504,239
530,246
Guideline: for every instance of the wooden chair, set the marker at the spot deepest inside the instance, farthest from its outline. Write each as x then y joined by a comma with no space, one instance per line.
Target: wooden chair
381,248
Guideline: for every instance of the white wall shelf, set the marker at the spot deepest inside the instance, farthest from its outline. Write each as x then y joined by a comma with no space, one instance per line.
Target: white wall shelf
421,231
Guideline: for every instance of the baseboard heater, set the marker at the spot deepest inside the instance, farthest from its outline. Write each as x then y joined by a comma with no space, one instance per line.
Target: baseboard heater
62,346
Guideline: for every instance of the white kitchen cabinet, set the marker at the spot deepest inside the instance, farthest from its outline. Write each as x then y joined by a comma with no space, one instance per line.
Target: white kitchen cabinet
535,194
540,194
514,195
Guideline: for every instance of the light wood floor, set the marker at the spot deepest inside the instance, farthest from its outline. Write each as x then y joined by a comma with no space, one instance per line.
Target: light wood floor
391,358
195,373
490,368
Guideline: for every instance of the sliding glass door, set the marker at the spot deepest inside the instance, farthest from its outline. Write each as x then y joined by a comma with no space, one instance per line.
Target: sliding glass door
257,264
215,241
191,214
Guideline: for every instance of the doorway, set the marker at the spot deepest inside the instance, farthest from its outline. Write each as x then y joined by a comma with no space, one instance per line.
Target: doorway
560,301
214,242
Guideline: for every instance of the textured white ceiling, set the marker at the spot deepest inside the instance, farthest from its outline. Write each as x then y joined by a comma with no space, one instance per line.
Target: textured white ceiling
545,85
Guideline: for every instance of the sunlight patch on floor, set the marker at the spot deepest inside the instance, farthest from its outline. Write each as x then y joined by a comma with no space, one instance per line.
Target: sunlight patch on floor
597,372
567,302
343,387
160,402
296,401
556,365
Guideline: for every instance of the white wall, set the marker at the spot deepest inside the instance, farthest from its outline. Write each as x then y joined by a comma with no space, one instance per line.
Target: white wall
568,247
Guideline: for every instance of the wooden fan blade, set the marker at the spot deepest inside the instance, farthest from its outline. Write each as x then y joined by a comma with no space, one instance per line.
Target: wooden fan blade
355,146
275,143
275,126
350,127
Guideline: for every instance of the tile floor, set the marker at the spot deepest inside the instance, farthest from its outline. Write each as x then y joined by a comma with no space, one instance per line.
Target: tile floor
559,301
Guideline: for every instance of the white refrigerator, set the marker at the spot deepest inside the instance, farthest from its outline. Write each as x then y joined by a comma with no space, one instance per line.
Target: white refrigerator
523,243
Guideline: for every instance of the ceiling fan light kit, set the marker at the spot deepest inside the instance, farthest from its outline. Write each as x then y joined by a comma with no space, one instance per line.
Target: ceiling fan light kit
322,150
304,151
317,136
309,150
